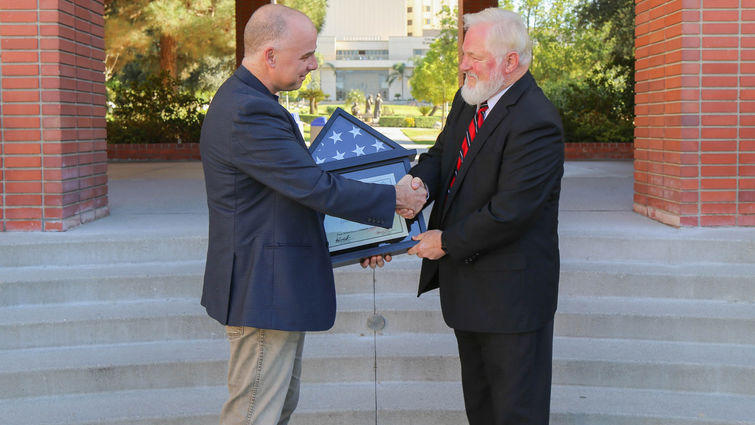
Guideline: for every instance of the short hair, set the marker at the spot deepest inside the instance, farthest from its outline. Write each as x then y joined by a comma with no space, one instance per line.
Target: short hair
507,33
267,24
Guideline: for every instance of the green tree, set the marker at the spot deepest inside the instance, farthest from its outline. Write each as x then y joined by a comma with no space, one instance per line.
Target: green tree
616,17
583,63
435,76
313,94
175,36
315,9
397,72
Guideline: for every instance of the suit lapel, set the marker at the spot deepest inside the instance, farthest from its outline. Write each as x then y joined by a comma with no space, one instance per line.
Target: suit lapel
458,135
493,120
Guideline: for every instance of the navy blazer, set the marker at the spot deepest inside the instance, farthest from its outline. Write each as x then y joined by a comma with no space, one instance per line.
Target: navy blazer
500,219
268,264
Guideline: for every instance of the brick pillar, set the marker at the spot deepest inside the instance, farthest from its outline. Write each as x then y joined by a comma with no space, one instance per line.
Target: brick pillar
695,127
52,114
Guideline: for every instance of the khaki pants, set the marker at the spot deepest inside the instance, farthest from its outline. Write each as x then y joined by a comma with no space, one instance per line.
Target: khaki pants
264,374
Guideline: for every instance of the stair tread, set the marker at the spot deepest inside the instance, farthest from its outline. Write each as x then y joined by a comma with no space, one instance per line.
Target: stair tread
666,307
363,302
99,271
325,345
112,310
640,268
111,407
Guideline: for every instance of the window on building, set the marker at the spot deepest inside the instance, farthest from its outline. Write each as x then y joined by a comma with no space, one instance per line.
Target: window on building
409,22
368,81
427,8
361,54
419,52
409,34
409,9
427,21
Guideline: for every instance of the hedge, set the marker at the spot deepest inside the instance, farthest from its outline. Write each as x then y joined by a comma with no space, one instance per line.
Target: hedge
426,122
308,118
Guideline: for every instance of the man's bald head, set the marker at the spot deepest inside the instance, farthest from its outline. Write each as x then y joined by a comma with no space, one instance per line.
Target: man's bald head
268,25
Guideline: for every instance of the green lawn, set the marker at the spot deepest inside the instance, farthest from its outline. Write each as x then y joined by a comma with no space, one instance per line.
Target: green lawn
425,136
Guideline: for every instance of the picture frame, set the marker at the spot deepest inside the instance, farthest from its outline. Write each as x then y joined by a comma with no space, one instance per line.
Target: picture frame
374,158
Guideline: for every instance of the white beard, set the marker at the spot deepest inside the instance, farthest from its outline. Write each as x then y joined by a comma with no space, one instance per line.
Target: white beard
483,90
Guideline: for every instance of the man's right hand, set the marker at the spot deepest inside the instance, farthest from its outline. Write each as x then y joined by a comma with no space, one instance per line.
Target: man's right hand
410,196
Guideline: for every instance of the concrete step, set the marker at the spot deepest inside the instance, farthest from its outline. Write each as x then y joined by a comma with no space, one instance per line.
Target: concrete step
727,282
656,365
77,248
165,364
183,279
661,245
661,319
150,280
713,281
398,403
668,246
104,282
343,358
56,325
183,318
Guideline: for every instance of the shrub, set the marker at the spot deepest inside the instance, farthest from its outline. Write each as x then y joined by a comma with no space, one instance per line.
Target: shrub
592,111
307,118
330,109
425,122
155,110
391,121
408,122
425,109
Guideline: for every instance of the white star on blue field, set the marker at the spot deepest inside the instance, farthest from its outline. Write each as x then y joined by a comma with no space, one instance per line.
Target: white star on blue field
345,140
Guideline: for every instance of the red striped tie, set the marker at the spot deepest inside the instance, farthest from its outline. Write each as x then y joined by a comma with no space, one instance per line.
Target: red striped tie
471,132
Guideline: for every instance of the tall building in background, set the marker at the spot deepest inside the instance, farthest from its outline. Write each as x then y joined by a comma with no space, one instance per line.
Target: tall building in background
363,39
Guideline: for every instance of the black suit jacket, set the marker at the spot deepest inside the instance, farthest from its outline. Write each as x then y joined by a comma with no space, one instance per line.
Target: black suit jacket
267,259
500,219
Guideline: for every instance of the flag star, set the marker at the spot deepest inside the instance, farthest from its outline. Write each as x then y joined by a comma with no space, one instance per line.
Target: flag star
378,145
318,160
338,156
359,150
336,137
355,131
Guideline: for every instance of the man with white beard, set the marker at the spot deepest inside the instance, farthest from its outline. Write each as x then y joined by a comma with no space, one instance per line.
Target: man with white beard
492,248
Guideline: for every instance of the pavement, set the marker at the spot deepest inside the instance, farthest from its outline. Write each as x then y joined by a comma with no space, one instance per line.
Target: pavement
169,198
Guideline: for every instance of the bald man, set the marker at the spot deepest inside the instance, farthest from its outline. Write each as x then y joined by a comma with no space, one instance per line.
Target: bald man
268,276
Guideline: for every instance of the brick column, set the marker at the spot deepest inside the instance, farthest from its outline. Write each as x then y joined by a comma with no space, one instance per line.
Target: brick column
52,114
695,127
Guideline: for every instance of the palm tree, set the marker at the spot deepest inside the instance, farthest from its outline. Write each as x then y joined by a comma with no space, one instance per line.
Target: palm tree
398,72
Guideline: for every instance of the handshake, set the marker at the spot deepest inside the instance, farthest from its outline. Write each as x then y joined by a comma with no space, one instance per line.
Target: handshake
411,196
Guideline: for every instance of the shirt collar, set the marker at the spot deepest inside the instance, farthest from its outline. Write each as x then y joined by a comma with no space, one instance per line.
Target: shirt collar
250,79
493,100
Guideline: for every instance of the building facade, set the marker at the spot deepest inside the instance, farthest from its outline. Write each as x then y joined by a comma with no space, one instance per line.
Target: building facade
360,53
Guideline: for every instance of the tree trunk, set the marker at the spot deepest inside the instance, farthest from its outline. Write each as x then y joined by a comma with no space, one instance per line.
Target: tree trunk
168,54
435,108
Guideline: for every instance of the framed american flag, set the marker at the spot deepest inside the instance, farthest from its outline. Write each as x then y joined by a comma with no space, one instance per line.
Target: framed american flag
350,147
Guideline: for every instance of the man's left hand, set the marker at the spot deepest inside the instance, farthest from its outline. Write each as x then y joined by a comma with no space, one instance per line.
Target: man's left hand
429,245
375,261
